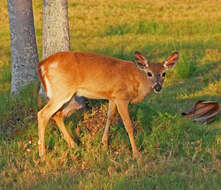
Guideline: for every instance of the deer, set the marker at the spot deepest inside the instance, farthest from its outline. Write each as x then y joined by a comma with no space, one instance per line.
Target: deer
66,75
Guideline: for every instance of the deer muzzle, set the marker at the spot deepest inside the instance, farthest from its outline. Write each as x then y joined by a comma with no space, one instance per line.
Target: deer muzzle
157,88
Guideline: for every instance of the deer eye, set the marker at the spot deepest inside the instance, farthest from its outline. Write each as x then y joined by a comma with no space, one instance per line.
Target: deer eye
164,74
149,74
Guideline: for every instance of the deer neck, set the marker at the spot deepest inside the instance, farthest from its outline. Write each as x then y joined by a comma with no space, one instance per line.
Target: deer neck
145,88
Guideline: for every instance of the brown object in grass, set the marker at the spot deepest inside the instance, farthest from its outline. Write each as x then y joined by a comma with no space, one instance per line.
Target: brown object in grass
203,111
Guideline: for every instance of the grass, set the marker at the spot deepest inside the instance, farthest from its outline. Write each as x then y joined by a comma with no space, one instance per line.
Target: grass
176,153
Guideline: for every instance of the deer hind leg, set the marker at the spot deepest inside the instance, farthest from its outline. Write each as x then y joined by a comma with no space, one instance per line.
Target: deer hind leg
122,107
111,111
44,115
58,117
66,111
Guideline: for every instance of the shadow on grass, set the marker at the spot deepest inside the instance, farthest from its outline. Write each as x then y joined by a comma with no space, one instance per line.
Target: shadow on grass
171,181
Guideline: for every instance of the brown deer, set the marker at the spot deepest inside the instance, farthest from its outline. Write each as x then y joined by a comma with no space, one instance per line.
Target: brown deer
65,75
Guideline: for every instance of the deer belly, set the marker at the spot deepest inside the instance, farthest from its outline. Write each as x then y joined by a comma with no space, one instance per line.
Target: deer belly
91,95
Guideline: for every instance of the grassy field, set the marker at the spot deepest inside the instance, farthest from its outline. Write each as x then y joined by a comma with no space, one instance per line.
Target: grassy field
177,154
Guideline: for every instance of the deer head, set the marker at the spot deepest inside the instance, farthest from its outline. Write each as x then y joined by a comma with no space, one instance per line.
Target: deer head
156,72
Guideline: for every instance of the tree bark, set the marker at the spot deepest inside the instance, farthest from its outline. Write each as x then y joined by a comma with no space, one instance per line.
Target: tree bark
23,44
55,27
56,36
55,39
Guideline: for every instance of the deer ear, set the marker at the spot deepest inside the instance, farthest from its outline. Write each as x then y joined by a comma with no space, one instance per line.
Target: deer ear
140,60
171,61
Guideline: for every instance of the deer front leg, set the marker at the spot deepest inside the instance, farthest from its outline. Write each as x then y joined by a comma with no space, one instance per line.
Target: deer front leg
110,113
122,107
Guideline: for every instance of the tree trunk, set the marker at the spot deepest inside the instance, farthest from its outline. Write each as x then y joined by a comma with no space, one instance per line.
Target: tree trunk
55,27
56,36
23,44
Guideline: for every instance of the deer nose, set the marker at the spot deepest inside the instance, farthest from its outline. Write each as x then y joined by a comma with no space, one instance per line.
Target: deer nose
157,87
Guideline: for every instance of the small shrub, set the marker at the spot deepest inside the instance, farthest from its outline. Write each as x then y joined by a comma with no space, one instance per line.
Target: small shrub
153,28
141,27
119,29
187,64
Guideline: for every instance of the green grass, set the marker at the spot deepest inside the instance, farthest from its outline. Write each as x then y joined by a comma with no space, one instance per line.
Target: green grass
176,153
